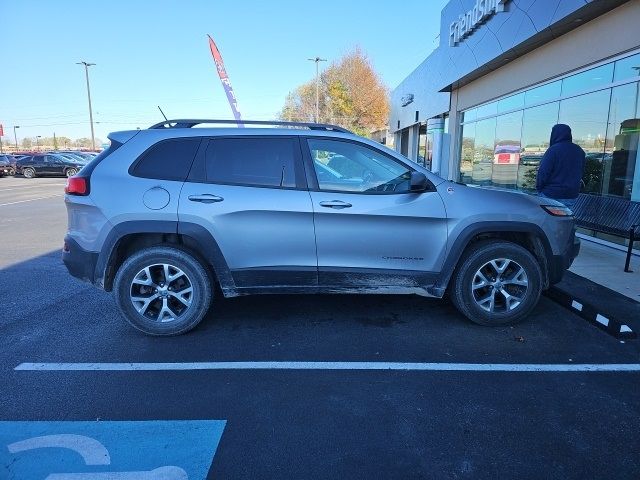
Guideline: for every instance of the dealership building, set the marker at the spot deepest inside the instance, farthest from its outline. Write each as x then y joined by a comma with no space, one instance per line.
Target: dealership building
480,108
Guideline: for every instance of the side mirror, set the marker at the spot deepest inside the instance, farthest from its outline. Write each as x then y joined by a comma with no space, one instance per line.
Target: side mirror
418,182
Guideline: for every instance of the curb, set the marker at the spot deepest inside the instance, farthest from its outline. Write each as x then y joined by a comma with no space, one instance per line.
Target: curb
604,321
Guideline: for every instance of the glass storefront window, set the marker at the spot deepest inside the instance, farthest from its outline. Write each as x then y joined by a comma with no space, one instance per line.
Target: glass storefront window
422,145
540,94
588,80
506,150
487,110
536,132
506,154
467,152
511,103
627,68
587,117
621,145
483,151
470,115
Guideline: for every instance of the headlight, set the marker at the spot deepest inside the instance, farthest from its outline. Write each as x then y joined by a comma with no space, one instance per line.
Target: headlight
558,211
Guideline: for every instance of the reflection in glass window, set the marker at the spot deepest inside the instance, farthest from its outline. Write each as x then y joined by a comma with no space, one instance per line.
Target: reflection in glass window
467,152
488,109
268,162
621,145
483,151
587,80
506,155
587,117
536,131
470,115
627,68
511,103
422,145
540,94
350,167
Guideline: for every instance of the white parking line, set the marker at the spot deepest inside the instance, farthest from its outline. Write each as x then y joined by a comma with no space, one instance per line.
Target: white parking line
33,186
438,367
31,200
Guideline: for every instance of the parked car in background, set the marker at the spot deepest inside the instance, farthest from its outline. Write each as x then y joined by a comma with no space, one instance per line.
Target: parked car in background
48,164
88,156
72,156
5,166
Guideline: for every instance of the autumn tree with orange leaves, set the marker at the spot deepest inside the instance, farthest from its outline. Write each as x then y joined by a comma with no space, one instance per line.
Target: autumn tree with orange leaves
351,95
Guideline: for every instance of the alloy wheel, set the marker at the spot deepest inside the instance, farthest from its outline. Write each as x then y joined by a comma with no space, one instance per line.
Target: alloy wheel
500,285
161,292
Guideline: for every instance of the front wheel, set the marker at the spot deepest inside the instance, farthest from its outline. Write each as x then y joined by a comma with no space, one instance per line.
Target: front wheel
28,172
496,283
163,291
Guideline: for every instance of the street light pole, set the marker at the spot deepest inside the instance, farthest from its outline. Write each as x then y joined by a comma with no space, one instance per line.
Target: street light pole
86,73
15,137
37,145
317,60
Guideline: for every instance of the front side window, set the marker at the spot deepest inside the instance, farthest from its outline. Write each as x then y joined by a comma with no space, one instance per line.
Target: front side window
261,162
349,167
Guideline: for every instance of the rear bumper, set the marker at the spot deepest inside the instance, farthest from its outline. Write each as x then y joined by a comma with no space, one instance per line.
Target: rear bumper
560,263
79,262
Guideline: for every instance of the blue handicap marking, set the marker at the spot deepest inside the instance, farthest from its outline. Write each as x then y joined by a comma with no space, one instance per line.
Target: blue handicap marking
146,450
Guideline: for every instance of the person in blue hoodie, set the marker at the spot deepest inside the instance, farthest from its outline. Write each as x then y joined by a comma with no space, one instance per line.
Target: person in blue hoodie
561,168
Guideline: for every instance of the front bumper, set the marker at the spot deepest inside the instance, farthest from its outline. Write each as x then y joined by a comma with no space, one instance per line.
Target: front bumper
79,262
560,263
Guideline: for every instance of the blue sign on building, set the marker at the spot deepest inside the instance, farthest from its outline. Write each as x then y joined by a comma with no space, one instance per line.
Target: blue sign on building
145,450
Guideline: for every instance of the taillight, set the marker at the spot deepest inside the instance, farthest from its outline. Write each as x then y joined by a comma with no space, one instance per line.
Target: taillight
77,186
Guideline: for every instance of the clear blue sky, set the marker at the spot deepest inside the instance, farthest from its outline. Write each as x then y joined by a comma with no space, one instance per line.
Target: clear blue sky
152,53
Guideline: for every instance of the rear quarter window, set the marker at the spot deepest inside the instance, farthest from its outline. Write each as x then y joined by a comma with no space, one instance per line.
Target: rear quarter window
167,160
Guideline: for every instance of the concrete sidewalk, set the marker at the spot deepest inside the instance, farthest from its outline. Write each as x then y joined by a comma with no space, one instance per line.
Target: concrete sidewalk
604,265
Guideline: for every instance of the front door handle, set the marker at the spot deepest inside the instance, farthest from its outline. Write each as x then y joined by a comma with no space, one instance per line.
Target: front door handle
339,204
205,198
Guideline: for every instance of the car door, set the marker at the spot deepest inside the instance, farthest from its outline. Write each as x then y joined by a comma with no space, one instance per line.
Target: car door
370,229
52,165
37,162
250,193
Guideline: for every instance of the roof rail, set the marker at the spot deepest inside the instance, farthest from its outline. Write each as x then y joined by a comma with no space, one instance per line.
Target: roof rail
190,122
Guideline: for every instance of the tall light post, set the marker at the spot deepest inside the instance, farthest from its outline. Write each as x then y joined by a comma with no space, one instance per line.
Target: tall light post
15,137
37,145
317,60
86,73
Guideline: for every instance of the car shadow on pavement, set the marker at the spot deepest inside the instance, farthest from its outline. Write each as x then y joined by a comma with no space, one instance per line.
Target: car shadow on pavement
51,316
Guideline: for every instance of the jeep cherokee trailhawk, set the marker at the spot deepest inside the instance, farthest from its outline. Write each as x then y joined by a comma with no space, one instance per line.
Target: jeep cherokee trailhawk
168,216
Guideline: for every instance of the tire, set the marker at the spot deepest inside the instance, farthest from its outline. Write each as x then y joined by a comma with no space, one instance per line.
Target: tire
12,172
142,276
499,270
28,172
70,172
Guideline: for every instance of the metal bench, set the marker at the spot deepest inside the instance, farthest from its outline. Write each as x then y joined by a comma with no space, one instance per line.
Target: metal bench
610,215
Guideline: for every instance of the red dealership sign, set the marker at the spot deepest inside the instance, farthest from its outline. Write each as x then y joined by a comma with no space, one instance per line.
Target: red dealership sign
1,131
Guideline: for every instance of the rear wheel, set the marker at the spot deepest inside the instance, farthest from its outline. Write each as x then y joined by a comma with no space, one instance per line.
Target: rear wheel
163,291
28,172
70,172
496,283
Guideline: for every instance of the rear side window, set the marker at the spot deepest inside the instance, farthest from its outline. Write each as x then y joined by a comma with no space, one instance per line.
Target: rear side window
262,162
167,160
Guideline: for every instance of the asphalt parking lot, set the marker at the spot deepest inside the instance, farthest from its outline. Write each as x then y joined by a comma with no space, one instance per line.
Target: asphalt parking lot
402,387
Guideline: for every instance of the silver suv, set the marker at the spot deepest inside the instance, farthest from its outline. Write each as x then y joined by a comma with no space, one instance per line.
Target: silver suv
173,217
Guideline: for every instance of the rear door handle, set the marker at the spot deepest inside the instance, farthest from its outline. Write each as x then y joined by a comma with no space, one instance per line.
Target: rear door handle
339,204
205,198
